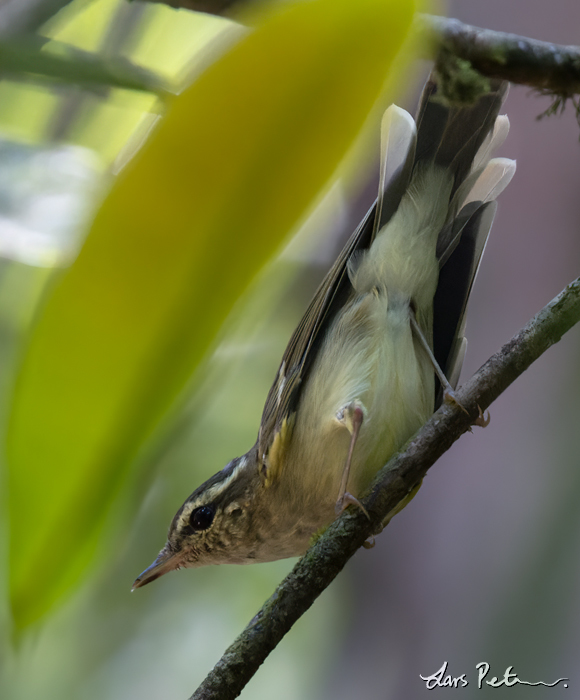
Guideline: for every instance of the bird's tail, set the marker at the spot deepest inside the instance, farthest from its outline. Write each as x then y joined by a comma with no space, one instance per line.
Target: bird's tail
460,140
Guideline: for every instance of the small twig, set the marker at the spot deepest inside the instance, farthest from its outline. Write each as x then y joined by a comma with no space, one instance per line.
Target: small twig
558,105
65,63
325,559
211,7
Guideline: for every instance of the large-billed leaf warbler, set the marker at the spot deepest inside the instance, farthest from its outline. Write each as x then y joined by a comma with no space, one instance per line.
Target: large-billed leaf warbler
358,377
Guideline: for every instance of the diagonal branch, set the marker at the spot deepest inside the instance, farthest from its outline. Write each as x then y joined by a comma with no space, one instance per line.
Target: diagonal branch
325,559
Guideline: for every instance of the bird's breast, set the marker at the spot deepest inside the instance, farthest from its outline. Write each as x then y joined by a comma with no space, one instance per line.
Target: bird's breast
369,355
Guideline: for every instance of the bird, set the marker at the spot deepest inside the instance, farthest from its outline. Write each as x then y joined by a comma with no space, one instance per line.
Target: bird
379,348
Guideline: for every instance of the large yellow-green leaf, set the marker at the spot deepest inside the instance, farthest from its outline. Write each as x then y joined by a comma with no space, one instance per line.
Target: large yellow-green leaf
232,167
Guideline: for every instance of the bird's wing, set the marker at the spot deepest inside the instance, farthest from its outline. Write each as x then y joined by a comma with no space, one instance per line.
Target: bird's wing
305,342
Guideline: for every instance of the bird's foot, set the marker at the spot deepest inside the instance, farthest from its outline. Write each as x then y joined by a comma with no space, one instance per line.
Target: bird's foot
346,500
351,416
482,420
450,398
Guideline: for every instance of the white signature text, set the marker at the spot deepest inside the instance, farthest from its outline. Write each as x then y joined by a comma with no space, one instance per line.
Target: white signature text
442,679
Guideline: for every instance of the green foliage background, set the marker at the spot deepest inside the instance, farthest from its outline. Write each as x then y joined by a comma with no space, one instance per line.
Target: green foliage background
481,566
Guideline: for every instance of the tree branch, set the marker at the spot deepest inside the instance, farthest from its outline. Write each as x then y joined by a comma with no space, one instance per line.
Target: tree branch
539,64
325,559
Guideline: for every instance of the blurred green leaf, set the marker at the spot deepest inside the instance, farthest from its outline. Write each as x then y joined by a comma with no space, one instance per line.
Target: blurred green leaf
233,165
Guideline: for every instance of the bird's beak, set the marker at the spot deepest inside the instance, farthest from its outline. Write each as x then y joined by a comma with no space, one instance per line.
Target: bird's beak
166,561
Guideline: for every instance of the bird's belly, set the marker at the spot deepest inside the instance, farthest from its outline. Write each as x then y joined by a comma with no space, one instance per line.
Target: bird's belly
370,356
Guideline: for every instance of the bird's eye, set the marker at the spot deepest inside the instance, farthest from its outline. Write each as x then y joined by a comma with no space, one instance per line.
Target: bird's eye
201,518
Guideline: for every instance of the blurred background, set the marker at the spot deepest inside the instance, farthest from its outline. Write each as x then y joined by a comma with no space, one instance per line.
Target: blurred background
482,566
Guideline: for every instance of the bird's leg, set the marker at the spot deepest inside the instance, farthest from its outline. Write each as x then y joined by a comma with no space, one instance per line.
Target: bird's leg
351,416
448,392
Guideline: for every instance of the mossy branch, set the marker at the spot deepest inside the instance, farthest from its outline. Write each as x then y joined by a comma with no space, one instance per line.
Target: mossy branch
465,53
325,559
547,67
